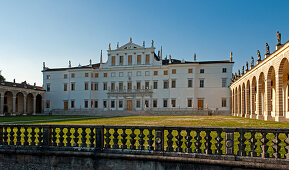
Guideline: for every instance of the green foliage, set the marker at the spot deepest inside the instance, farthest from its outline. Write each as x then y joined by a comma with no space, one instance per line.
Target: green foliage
2,78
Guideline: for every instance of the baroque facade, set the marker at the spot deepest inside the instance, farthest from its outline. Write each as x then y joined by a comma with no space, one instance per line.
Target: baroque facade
262,91
135,78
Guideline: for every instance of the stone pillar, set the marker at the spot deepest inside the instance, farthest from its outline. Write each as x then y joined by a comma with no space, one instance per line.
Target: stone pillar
252,98
243,102
2,104
247,102
279,112
25,105
108,104
116,103
236,103
142,102
34,104
14,104
42,105
268,107
232,103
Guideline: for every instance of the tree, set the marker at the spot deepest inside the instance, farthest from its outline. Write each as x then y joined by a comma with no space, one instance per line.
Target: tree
2,78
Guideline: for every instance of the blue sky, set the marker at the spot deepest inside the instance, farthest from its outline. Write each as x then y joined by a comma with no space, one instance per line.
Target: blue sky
56,31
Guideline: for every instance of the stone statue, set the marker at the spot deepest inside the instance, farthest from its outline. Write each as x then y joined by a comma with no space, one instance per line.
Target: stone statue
130,40
243,70
195,57
247,66
231,56
252,61
278,37
117,45
143,44
109,46
90,62
259,55
152,43
235,75
239,74
267,49
69,64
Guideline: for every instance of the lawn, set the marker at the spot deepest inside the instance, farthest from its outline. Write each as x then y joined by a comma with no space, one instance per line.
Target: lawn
213,121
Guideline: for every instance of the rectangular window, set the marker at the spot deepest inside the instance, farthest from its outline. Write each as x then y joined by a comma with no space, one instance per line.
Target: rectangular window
224,70
138,59
147,73
91,104
72,104
190,102
190,70
113,60
72,75
224,102
95,86
155,103
65,87
190,83
86,74
121,60
72,86
65,105
104,104
174,71
202,83
86,86
105,86
120,104
138,103
47,104
138,85
155,73
120,86
96,75
173,102
147,105
147,59
173,83
165,103
47,87
65,76
86,104
48,77
166,72
202,71
129,85
112,86
112,104
166,84
138,73
147,85
113,74
96,104
91,75
224,82
120,74
155,85
91,86
104,74
129,74
129,60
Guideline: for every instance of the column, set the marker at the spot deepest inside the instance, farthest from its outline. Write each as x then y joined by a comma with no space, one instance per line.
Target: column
247,101
242,102
259,102
34,104
2,103
25,105
279,115
142,102
151,103
232,103
108,103
14,104
116,103
236,103
268,107
252,99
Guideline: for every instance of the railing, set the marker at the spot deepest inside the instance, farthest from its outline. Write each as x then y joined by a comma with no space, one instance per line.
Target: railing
242,142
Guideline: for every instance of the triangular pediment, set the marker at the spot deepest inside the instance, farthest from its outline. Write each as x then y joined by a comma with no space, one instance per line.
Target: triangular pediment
128,46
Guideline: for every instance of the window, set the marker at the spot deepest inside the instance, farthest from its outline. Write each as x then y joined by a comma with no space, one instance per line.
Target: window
147,85
47,104
190,83
91,86
96,75
147,104
166,84
174,71
224,82
48,77
190,103
166,72
155,73
165,103
173,83
147,59
65,76
113,60
112,104
86,104
173,102
120,85
86,86
120,60
91,75
120,74
112,86
155,103
129,74
113,74
224,70
202,83
138,59
147,73
224,102
105,86
155,85
86,74
95,86
72,86
202,71
104,104
120,104
129,85
72,75
104,74
138,103
138,73
190,70
138,85
65,87
129,60
47,87
96,104
65,105
72,104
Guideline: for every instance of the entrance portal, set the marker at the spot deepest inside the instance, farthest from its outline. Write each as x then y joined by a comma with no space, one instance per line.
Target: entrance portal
129,105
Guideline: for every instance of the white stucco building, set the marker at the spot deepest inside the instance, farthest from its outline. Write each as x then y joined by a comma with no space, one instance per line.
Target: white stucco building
136,78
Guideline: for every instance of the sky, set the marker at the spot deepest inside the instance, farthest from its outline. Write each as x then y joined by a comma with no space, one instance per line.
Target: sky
56,31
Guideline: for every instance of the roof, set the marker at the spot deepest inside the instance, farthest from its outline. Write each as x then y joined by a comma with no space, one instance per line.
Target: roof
174,61
22,85
94,66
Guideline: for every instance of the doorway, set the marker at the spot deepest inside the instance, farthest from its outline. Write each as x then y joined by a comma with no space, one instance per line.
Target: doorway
200,104
129,105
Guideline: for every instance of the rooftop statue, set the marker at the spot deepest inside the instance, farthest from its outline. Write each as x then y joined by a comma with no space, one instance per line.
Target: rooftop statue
252,61
267,49
259,55
278,37
247,67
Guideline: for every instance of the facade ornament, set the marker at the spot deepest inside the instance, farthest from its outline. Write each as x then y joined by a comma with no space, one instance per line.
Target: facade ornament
236,76
152,43
243,70
278,38
170,59
109,46
100,56
143,44
69,64
247,66
259,56
195,57
252,62
43,67
130,40
239,73
90,62
117,45
231,56
267,49
161,53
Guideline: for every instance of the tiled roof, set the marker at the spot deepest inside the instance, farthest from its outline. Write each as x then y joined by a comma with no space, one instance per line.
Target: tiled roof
22,85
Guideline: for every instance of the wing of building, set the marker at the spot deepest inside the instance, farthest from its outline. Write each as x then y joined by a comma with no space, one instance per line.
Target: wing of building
135,78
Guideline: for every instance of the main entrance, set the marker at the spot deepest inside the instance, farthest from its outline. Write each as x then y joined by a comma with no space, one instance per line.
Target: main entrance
129,105
200,104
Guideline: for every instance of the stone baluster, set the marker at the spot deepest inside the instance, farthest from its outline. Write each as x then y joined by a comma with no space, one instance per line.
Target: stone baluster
40,136
54,137
286,140
83,138
61,137
208,142
123,139
11,136
253,144
26,136
1,134
115,139
107,138
18,136
33,137
242,139
76,139
5,137
91,138
150,141
170,141
132,140
198,139
141,140
277,145
68,137
265,147
179,141
188,141
219,143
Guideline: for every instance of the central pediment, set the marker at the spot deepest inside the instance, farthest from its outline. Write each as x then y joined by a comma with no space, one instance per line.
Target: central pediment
129,46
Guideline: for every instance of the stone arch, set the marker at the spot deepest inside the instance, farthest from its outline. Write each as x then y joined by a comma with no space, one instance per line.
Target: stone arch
239,101
243,96
271,93
282,90
8,102
29,103
261,96
38,103
19,103
254,97
248,94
